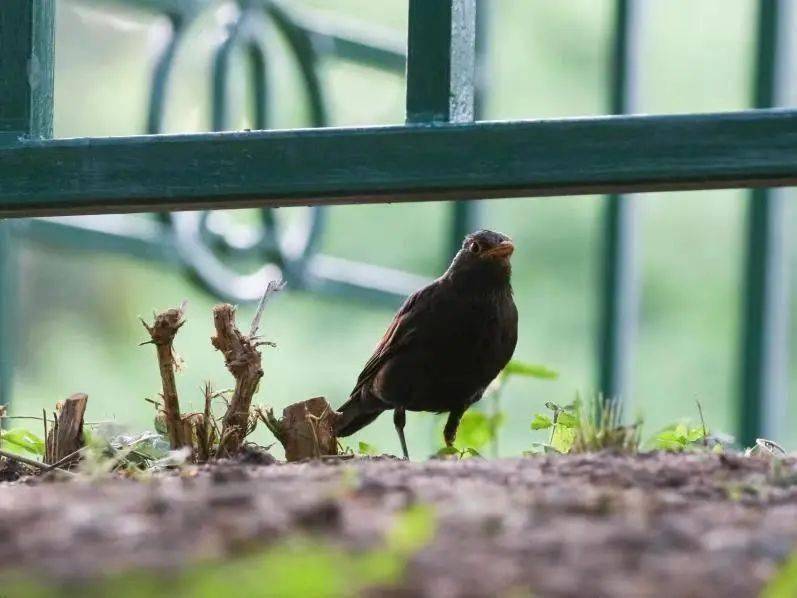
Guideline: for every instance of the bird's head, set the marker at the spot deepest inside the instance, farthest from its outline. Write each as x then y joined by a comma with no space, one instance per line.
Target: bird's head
483,259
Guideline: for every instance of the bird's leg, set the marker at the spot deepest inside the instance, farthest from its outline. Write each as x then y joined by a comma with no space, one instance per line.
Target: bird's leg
399,419
450,431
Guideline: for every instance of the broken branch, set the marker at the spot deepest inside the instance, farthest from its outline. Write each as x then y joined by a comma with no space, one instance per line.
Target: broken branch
243,361
30,462
162,333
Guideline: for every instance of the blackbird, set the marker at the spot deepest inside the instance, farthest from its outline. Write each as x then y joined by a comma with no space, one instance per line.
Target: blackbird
447,342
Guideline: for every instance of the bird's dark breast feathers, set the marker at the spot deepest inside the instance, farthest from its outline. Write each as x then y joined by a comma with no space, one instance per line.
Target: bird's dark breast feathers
457,348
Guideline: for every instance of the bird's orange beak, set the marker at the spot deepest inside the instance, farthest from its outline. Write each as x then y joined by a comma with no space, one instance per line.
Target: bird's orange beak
503,249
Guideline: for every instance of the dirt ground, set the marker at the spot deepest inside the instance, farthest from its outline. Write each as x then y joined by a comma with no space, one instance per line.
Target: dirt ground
595,525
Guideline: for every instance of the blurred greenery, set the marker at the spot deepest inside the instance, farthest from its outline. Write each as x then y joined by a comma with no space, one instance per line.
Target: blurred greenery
784,583
79,327
299,566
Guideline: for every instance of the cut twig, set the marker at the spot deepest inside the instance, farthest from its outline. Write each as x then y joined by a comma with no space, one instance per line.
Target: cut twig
702,421
266,415
204,428
65,461
66,436
243,360
44,422
20,459
272,288
40,467
162,333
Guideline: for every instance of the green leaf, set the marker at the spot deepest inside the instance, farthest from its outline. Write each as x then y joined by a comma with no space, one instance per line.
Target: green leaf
669,440
695,434
669,436
367,449
529,370
477,429
562,439
568,420
471,452
541,422
677,437
23,439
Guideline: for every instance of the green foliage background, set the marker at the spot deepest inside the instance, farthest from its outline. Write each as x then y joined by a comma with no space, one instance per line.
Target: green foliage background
79,325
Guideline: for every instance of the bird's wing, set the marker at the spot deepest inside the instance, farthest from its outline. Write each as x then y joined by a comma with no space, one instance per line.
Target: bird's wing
398,334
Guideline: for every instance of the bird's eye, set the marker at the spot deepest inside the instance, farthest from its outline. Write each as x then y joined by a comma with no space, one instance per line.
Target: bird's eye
475,247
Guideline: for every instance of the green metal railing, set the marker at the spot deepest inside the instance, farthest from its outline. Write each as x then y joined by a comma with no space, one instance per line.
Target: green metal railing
205,244
442,153
202,240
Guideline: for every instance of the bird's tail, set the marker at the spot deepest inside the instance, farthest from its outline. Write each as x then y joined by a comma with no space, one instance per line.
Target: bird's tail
360,410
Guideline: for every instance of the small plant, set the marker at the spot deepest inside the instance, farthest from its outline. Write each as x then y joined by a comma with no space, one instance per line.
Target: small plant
682,436
367,450
496,417
453,452
479,429
601,428
562,423
582,427
679,437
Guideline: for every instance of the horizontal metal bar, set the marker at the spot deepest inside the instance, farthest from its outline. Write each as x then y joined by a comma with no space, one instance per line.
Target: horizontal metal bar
385,56
361,43
150,239
339,276
133,236
401,163
343,37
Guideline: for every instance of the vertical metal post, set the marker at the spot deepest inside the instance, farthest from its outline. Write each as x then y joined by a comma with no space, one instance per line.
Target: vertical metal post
764,350
619,297
27,30
466,214
440,61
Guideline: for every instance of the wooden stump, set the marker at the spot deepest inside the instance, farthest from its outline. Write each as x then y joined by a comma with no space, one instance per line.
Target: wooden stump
66,436
306,430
